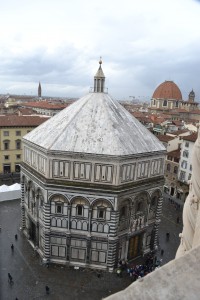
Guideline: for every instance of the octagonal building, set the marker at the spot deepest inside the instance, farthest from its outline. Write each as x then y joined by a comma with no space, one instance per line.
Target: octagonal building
92,179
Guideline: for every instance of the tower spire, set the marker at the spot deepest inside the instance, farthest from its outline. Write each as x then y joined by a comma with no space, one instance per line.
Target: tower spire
99,79
39,90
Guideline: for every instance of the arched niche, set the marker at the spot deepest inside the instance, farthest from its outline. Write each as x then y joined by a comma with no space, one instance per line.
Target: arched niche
58,204
101,209
80,207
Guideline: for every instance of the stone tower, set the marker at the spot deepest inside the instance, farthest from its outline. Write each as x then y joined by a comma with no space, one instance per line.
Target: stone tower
39,90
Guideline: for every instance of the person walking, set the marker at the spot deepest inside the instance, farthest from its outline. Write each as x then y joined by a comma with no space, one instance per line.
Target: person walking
47,289
162,252
12,247
16,237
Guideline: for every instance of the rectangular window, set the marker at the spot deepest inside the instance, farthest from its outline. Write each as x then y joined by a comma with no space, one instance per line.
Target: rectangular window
18,145
187,144
184,164
185,153
58,208
18,156
6,133
6,157
101,213
18,133
6,145
17,168
182,176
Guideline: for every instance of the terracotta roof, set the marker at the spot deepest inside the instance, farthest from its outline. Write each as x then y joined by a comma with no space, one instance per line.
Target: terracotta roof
26,111
178,132
45,105
167,90
175,153
23,121
196,112
191,138
177,123
164,138
159,121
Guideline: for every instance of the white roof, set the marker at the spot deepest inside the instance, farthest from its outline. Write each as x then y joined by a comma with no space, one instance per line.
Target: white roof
95,124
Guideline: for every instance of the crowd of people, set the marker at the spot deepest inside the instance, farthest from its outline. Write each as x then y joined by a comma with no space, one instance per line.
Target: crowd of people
139,270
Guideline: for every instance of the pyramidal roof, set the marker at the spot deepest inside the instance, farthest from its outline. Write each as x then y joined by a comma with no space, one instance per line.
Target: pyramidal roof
95,124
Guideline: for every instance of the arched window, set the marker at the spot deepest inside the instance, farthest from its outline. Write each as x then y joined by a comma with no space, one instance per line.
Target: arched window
165,102
123,212
139,206
175,170
168,167
79,210
153,202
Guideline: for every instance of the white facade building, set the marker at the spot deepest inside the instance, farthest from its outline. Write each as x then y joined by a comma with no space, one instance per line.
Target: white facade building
92,179
185,165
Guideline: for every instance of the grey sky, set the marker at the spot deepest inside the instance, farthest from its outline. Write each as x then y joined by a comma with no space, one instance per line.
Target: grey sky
58,42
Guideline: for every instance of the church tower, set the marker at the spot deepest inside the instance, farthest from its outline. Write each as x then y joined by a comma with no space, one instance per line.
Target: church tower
39,90
191,96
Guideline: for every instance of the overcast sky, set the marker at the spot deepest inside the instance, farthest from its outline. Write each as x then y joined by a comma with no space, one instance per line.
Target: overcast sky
59,42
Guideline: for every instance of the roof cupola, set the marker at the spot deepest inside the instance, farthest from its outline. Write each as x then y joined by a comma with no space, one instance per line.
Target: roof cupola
99,79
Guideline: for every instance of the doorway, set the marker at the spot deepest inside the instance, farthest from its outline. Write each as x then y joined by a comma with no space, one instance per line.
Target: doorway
6,169
172,191
32,232
135,248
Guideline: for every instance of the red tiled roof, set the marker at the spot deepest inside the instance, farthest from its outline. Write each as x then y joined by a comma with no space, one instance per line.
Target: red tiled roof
191,138
164,138
177,123
175,153
196,112
21,121
167,90
26,111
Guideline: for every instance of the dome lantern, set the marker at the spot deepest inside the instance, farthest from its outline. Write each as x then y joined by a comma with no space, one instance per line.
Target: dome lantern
99,79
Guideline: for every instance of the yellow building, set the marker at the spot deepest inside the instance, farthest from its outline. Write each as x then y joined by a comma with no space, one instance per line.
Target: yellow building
12,129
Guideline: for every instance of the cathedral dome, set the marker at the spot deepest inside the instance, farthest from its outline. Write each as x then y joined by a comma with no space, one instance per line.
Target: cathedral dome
167,90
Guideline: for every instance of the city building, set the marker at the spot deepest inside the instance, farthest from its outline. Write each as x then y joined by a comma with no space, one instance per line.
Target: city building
190,104
171,173
45,107
12,129
185,166
92,178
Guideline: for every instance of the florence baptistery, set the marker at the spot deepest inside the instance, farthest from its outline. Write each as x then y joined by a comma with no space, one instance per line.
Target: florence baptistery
92,179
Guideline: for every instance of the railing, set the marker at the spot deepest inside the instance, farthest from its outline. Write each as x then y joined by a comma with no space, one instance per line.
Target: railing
105,90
